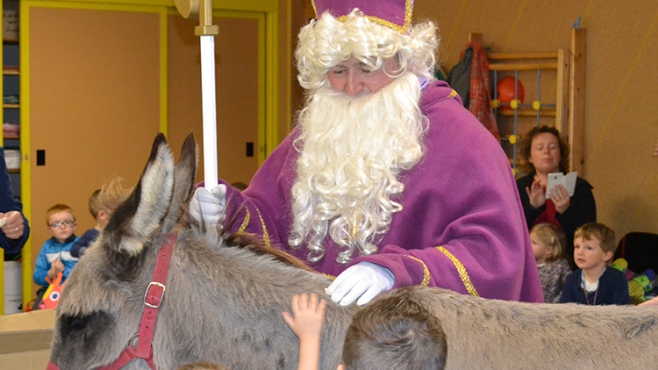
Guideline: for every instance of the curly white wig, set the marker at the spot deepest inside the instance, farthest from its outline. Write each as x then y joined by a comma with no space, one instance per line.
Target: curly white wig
325,43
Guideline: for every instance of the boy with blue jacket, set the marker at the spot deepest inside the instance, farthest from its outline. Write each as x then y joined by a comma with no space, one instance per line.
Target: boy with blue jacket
55,255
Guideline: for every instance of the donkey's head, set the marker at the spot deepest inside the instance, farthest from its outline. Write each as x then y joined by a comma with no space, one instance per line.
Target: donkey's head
99,311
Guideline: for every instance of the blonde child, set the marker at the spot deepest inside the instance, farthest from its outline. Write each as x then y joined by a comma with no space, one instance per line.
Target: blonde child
55,255
102,204
594,282
548,243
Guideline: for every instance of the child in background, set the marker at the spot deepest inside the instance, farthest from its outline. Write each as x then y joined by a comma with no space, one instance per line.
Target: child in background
55,255
548,243
396,332
102,204
78,248
594,282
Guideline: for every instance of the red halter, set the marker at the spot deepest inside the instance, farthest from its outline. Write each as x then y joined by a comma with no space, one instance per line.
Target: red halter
152,300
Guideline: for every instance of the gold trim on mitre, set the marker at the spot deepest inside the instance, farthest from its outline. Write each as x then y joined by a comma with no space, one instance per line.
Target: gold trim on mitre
408,12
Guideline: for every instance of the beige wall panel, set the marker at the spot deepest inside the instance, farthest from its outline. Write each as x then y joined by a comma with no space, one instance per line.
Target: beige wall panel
236,60
94,104
621,147
621,87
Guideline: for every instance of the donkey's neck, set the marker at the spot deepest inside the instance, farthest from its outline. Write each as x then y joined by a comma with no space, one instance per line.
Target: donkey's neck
233,298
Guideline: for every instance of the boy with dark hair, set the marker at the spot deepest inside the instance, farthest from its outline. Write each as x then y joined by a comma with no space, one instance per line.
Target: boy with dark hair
594,282
395,332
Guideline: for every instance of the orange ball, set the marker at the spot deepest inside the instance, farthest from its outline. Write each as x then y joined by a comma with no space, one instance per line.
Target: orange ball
506,90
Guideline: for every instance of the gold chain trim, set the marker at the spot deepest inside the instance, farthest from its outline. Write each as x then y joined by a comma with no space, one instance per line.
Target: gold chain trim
245,223
243,227
426,271
408,12
266,236
462,272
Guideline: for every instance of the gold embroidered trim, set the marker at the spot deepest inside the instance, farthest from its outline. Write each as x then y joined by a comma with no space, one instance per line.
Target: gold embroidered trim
245,223
426,271
266,236
408,11
453,93
243,227
462,272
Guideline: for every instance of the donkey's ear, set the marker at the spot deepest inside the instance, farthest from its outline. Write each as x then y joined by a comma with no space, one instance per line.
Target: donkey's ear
136,220
184,175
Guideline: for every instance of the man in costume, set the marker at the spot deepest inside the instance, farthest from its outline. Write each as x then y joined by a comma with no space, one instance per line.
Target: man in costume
387,180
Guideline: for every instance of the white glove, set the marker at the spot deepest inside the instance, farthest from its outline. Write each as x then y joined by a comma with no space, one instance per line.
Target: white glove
208,206
363,281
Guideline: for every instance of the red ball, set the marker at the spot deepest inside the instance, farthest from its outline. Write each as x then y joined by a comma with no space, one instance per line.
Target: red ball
506,90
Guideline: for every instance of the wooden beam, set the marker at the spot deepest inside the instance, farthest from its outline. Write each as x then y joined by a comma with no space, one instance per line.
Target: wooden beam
523,66
577,78
512,56
560,94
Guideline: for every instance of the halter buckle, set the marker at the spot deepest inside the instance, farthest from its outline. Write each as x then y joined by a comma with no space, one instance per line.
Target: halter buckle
156,298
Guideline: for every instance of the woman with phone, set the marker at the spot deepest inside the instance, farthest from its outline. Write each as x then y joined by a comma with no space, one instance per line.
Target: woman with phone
546,152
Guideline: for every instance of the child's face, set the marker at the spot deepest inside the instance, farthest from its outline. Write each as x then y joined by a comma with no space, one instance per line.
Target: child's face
66,225
588,253
542,250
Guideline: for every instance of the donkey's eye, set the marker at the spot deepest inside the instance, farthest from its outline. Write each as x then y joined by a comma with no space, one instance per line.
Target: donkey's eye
80,324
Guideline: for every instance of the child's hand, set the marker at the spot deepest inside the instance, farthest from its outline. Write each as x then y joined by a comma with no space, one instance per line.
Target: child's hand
306,323
307,316
55,268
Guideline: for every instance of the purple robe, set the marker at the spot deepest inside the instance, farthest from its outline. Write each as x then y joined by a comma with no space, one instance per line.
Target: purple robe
461,227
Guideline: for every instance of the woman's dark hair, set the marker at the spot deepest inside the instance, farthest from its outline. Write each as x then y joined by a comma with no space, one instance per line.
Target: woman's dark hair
526,147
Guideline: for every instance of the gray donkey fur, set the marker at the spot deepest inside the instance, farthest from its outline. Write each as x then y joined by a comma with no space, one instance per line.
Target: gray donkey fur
223,303
493,334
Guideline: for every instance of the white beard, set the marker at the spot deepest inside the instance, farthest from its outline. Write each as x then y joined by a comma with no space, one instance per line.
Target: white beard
352,150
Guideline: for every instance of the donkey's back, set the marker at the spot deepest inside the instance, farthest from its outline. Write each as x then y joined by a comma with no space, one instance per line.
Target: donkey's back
492,334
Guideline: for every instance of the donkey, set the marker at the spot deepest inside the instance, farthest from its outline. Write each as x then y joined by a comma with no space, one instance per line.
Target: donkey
222,304
492,334
224,299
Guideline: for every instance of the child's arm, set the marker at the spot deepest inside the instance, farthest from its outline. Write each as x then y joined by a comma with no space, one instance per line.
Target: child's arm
566,296
621,296
306,323
41,269
651,302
